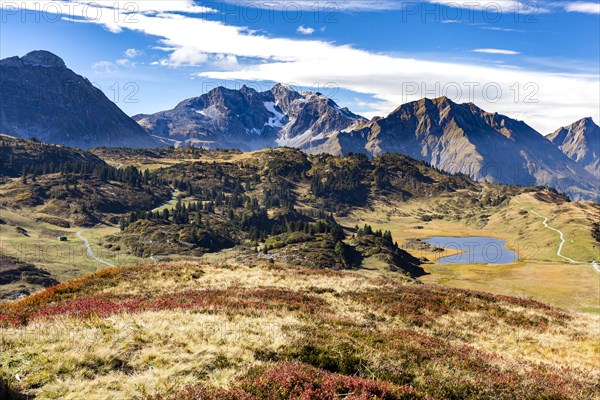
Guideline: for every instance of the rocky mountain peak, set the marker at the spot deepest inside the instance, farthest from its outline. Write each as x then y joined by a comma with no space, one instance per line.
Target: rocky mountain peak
586,124
43,58
284,95
580,141
66,108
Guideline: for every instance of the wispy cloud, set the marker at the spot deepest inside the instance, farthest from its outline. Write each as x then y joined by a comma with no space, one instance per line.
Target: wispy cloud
505,6
583,7
491,6
110,67
304,30
325,6
497,51
501,29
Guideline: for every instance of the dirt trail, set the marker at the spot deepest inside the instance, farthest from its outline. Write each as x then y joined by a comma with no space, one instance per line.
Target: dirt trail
89,249
562,241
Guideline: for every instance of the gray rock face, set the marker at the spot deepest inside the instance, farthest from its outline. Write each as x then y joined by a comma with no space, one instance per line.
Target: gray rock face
580,141
462,138
41,58
249,120
40,97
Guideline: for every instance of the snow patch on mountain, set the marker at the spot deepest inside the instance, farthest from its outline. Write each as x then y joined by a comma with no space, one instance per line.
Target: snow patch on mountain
211,112
279,120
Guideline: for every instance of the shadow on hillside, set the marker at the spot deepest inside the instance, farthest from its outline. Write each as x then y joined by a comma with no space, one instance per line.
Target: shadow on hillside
7,393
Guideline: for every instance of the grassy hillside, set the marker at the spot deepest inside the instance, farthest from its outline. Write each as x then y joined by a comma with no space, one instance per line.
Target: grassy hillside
193,330
539,273
263,204
276,274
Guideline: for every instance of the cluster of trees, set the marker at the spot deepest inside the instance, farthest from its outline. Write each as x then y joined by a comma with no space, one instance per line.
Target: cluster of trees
275,194
338,181
368,230
320,226
279,195
241,212
182,214
381,178
488,200
129,175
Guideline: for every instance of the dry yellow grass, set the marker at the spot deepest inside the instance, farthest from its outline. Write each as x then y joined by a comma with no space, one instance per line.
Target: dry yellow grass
130,355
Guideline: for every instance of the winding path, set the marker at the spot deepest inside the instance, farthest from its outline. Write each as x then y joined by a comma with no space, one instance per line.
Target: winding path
562,241
89,250
562,238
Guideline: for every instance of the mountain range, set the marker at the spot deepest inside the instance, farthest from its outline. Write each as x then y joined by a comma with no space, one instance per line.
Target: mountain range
249,120
463,138
459,138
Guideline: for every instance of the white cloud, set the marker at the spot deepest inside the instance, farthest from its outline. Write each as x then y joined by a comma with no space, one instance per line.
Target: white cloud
583,7
304,30
114,15
226,61
322,7
110,67
133,53
490,7
545,100
497,51
331,7
184,56
528,9
104,67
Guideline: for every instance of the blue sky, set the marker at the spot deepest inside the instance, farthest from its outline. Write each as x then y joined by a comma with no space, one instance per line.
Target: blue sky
539,62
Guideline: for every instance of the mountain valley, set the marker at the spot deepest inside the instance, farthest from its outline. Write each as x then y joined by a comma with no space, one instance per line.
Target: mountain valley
273,245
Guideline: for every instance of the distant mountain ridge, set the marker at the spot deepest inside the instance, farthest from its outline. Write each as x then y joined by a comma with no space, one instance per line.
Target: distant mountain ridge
463,138
42,98
580,141
249,120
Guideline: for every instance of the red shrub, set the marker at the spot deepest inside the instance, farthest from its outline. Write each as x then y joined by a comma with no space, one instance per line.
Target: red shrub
8,321
421,304
197,392
297,381
207,299
86,308
293,380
